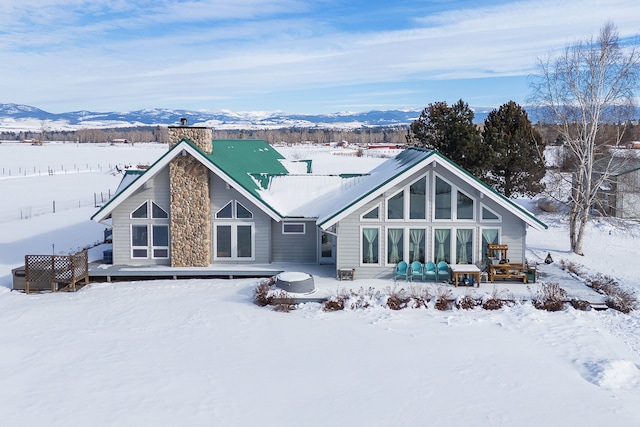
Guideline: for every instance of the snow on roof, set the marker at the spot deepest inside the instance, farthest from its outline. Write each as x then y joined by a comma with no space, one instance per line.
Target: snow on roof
304,195
128,178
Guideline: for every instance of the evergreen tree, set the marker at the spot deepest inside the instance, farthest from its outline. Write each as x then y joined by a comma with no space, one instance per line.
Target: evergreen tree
450,130
514,151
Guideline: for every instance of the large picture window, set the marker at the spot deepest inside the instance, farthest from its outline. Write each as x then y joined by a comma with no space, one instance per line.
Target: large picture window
418,199
443,199
139,241
395,245
489,236
395,206
464,246
370,243
234,241
442,244
416,244
149,231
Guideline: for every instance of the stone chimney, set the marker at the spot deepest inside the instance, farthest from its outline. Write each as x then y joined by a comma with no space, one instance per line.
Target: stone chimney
190,221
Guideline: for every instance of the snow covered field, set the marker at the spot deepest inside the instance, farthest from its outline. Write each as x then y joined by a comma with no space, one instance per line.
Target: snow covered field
200,353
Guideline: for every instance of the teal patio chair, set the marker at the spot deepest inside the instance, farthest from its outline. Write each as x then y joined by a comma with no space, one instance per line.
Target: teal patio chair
402,270
430,271
442,271
416,271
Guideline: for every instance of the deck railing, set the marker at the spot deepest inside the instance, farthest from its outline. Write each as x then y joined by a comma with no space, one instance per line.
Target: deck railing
56,270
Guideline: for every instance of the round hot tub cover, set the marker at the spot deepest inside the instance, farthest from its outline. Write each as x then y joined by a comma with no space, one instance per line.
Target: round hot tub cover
296,282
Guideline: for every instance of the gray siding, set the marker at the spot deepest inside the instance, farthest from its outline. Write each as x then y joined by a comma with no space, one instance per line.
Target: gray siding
349,249
156,189
302,248
220,196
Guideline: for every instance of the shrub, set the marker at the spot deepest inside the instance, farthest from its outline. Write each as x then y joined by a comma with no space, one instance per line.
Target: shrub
466,302
397,299
494,301
550,297
336,302
262,294
443,298
283,302
571,267
419,297
622,300
364,298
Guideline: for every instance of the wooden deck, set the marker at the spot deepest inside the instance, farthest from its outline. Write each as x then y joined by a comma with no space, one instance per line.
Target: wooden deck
99,272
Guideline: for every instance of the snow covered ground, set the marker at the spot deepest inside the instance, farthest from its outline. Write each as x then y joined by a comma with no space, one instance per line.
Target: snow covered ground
200,353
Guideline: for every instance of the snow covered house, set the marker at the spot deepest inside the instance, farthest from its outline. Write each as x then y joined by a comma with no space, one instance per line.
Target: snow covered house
239,202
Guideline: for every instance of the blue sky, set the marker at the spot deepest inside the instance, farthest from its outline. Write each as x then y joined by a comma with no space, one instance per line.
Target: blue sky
294,56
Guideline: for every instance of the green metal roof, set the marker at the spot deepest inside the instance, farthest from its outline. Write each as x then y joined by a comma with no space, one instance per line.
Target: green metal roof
245,158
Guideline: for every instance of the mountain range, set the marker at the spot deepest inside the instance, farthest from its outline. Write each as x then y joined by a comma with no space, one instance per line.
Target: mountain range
17,117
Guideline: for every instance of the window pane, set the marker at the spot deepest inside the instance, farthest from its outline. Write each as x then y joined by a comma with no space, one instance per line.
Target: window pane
226,211
465,206
141,212
296,228
223,241
416,245
464,246
244,241
158,212
242,212
139,235
140,253
489,236
418,199
443,200
370,246
161,253
395,206
442,245
372,214
487,214
160,235
395,245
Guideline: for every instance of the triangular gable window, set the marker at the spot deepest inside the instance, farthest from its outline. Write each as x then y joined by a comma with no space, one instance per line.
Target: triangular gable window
157,211
372,214
141,211
242,212
226,211
489,215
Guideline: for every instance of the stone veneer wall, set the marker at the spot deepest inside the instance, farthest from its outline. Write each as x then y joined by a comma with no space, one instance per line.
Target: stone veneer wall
190,201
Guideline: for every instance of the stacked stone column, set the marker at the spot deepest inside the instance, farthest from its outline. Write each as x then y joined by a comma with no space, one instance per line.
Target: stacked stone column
190,216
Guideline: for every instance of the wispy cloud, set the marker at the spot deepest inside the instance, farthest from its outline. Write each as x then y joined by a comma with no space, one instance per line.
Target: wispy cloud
136,54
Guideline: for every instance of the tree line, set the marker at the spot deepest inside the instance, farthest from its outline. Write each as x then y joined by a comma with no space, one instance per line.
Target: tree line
364,135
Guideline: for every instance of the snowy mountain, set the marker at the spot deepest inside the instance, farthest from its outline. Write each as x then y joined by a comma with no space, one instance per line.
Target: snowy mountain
16,117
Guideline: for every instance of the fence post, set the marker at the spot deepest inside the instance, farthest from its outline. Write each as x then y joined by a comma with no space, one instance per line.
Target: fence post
54,206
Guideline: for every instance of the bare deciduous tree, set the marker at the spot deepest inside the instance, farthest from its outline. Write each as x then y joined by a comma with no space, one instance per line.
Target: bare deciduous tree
590,84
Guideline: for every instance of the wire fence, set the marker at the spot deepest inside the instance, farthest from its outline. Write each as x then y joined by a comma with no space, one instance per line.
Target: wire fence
26,212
